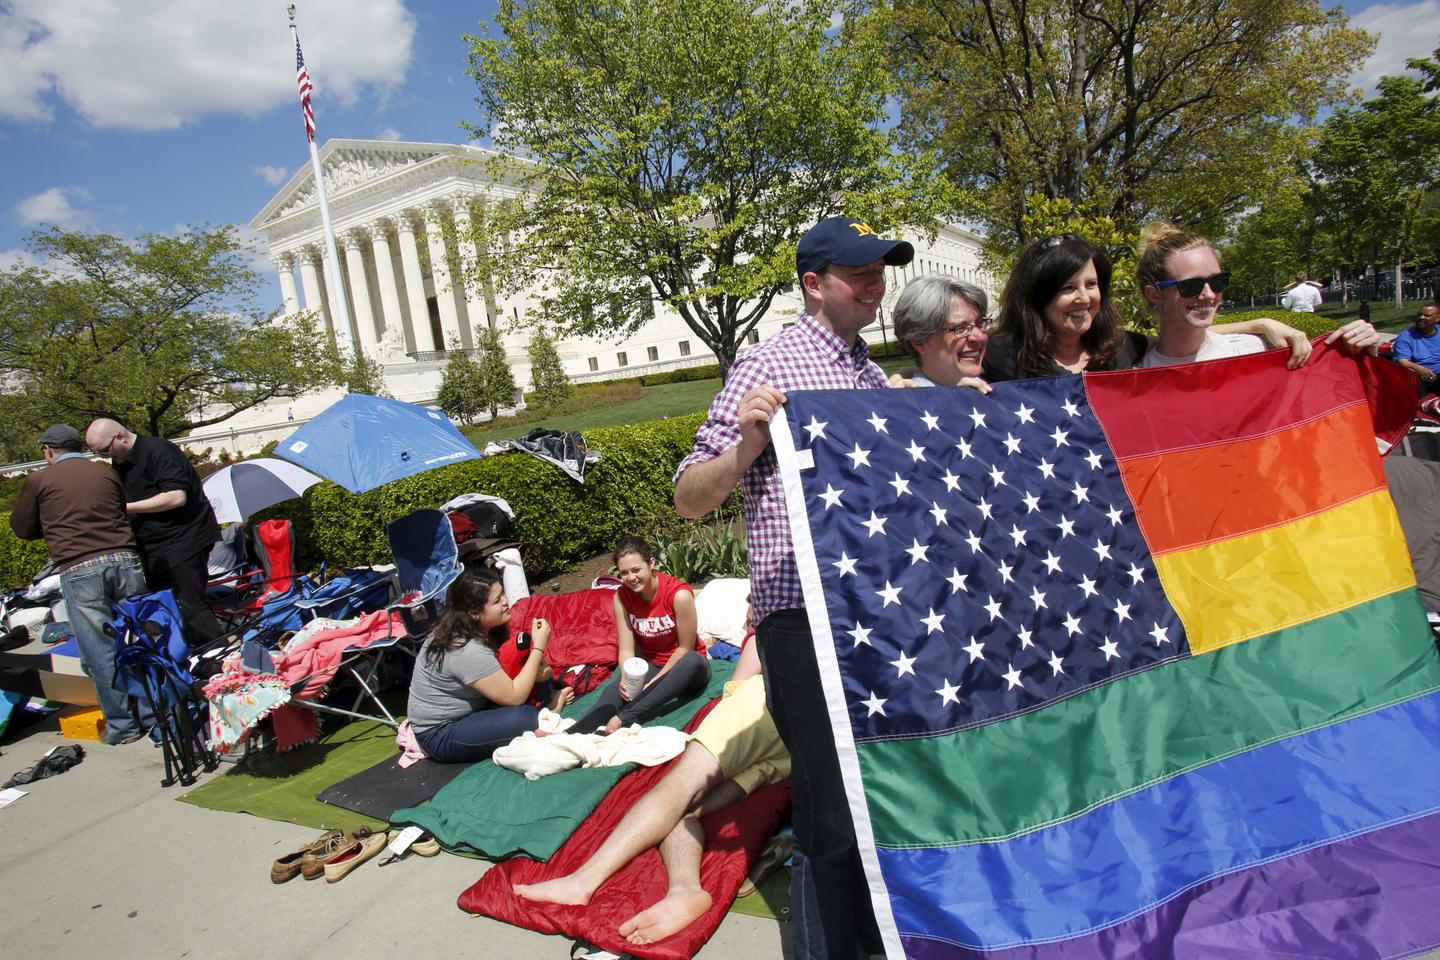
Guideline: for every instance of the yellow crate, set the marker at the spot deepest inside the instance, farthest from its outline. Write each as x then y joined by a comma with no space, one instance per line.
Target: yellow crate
83,723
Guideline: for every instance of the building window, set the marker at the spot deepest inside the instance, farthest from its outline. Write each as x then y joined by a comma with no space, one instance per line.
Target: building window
594,364
684,348
621,359
753,336
652,354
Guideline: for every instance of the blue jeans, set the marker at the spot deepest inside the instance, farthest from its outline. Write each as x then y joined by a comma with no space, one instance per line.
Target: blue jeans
476,736
90,595
831,910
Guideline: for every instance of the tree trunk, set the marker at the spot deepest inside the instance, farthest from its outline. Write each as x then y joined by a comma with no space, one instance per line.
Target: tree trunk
1399,284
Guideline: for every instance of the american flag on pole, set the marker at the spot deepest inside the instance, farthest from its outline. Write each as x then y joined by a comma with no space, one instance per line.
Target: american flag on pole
302,77
1128,664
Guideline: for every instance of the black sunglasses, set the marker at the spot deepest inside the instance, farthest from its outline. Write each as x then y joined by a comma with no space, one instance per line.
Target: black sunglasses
1192,286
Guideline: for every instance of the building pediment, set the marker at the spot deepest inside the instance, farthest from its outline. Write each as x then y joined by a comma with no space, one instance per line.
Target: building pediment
356,169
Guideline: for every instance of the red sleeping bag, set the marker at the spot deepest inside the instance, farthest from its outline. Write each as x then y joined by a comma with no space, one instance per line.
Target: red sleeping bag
582,632
734,837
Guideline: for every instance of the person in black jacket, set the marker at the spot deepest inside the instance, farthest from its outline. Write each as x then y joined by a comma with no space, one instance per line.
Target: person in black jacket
174,524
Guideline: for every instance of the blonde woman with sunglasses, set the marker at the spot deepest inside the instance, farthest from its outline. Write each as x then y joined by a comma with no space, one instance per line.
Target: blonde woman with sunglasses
1182,280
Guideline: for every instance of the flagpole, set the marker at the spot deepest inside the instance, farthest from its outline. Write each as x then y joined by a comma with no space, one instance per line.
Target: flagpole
343,341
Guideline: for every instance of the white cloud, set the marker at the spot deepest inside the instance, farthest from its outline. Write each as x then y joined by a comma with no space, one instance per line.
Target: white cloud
271,174
1402,35
256,249
389,133
148,65
18,258
53,207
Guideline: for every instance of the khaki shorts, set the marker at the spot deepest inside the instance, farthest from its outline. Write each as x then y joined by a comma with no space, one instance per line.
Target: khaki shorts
741,736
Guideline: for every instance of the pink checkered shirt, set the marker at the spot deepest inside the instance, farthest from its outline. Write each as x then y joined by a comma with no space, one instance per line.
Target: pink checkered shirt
805,356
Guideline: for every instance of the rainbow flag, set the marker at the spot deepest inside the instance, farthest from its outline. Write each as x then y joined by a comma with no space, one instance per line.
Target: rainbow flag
1128,664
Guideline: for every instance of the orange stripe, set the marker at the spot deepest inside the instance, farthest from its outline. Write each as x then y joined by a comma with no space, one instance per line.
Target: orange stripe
1189,497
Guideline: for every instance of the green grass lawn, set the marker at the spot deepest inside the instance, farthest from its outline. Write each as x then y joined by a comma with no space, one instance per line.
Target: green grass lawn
1386,316
613,405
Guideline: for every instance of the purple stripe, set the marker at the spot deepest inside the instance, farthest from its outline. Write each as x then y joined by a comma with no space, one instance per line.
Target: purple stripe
1373,896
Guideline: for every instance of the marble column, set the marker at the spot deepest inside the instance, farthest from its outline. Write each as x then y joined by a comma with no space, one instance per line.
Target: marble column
420,332
285,263
389,291
475,306
360,291
314,292
440,273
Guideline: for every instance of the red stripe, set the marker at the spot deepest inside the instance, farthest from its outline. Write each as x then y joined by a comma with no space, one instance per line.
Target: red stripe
1180,408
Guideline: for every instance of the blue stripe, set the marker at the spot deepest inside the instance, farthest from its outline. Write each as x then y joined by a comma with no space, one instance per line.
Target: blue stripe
1134,853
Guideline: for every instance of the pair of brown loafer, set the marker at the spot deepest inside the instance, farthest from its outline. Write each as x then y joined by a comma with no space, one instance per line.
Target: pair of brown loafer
310,860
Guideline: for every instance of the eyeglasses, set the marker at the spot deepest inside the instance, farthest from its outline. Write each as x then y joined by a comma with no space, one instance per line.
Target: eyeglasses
1193,286
1051,242
105,450
960,330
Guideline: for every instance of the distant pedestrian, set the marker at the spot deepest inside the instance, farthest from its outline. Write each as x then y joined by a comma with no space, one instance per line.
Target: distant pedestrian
78,507
289,413
174,524
1302,296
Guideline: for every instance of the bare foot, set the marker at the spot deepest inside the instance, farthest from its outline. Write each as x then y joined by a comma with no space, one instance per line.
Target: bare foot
612,726
560,890
562,699
678,910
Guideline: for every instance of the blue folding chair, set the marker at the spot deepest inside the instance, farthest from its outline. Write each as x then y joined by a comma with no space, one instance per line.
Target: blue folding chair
152,663
426,563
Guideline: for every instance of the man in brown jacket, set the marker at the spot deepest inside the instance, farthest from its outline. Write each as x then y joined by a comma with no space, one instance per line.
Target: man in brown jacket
78,507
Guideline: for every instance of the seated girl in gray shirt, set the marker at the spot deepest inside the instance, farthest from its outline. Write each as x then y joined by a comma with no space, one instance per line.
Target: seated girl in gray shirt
462,705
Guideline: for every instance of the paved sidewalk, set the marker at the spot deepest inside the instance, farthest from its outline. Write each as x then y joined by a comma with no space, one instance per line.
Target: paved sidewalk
101,861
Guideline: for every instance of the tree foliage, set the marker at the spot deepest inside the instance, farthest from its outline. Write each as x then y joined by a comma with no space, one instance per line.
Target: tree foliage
1134,108
1366,192
548,380
159,333
680,148
495,373
462,386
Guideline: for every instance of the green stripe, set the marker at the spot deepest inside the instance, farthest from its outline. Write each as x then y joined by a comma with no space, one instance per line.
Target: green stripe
1012,776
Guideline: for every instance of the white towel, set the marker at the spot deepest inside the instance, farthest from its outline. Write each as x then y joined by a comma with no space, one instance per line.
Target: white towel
537,757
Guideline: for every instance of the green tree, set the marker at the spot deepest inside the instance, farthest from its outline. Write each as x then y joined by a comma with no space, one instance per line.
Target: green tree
676,150
355,372
1135,108
462,386
1282,235
547,374
160,333
495,371
1377,166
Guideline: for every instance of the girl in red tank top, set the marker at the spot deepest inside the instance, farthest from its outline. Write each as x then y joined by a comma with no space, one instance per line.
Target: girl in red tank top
654,620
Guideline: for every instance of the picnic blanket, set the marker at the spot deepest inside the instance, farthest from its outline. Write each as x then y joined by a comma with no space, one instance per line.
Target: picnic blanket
498,813
735,835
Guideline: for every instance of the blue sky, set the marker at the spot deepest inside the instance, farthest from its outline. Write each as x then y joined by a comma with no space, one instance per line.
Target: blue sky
133,116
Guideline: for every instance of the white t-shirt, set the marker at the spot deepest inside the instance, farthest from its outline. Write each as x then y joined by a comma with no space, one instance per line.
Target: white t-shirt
1302,298
1217,346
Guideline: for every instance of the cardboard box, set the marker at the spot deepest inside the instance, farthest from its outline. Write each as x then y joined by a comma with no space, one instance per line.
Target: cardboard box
82,723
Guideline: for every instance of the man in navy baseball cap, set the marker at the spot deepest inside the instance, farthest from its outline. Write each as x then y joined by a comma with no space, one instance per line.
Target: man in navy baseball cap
848,242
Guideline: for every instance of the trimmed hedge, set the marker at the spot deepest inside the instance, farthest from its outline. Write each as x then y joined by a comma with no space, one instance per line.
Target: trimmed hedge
628,491
1313,324
20,559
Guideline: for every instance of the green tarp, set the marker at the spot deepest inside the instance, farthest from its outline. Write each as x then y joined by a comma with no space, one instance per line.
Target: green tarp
497,813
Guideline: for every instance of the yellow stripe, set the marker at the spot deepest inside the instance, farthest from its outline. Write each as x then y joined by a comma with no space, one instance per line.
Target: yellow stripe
1230,591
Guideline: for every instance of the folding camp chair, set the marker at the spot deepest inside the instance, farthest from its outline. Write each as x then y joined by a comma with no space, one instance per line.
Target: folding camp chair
426,563
151,662
236,599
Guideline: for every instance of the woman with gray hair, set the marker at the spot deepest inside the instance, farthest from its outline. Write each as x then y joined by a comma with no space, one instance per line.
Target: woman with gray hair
940,320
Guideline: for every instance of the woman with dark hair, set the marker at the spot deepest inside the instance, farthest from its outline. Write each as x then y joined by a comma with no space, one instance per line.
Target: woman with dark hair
655,621
462,704
1056,317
